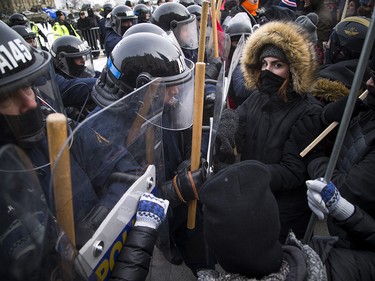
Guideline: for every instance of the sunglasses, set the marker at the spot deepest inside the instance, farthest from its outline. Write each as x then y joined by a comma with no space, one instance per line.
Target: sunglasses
81,14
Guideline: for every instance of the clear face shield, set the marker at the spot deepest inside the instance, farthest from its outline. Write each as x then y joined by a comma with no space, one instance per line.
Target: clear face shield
186,33
25,103
123,23
121,151
179,100
78,64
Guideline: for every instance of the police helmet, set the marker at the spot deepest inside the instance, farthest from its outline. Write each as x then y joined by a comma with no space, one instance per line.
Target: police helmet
132,65
144,27
176,17
18,19
187,3
106,9
26,34
347,38
66,50
236,29
143,12
168,15
119,15
22,67
195,10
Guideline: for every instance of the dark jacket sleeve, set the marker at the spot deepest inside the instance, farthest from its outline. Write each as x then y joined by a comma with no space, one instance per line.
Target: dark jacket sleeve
360,229
75,92
134,260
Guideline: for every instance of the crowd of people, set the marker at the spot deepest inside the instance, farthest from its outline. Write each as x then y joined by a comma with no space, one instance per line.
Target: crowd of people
283,72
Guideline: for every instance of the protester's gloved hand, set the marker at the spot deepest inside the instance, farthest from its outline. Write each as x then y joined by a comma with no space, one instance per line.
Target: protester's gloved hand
151,211
326,199
335,110
225,139
186,183
209,100
213,68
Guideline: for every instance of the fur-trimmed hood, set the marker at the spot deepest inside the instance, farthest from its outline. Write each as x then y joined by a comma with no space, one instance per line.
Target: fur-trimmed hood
290,38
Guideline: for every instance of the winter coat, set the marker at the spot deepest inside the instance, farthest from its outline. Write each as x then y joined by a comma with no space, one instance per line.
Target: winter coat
353,258
300,263
335,80
266,121
134,260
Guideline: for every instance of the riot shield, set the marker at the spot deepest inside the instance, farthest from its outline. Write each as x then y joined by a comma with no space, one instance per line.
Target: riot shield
235,59
115,156
33,246
220,102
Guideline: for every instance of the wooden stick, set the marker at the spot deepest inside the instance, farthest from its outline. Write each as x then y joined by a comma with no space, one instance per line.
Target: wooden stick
219,2
197,133
214,29
203,31
60,168
326,131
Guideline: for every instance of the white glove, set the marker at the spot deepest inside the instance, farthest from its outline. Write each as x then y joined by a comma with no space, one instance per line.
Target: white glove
151,211
326,199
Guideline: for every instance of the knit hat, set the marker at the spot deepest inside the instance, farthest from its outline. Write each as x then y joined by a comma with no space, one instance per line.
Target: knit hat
59,13
273,51
309,22
290,4
241,220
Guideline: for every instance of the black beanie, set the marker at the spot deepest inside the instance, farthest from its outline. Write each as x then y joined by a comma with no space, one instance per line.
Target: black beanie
241,220
273,51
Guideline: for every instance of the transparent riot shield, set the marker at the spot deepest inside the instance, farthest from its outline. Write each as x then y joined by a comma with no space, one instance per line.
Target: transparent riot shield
220,102
32,245
115,156
223,45
235,58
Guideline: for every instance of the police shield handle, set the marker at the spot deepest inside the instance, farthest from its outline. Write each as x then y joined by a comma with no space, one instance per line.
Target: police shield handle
203,31
214,29
200,69
60,169
326,131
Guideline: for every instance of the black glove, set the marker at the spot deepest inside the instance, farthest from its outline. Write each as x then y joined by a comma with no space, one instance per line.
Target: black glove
213,68
334,111
302,134
225,139
186,183
209,101
86,228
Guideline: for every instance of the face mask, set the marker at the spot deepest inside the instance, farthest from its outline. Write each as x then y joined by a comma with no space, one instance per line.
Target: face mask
250,7
269,82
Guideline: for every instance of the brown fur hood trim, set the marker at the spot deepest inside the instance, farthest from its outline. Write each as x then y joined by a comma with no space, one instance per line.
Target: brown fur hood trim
290,38
329,91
